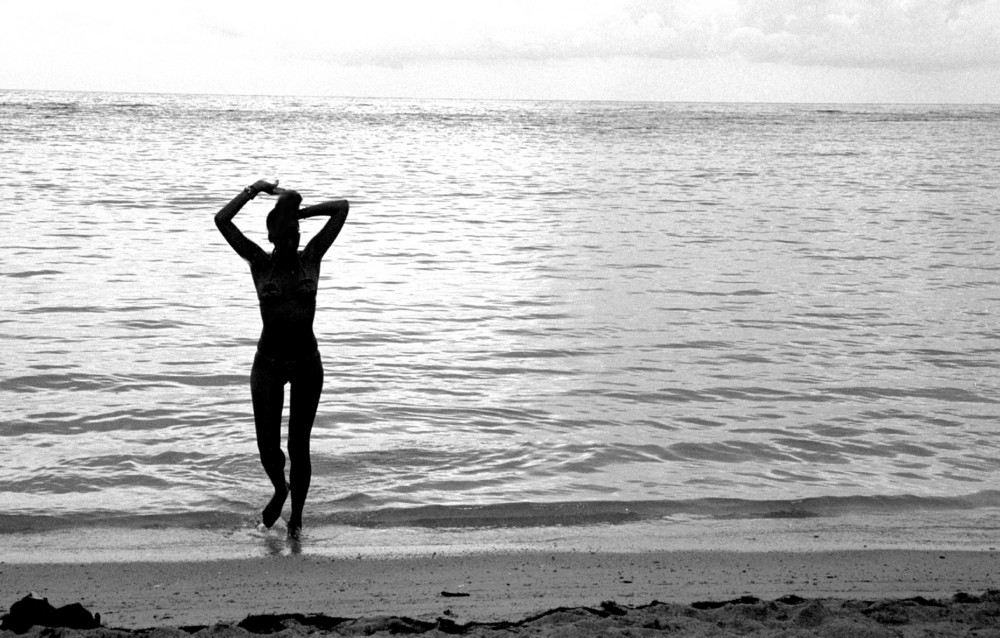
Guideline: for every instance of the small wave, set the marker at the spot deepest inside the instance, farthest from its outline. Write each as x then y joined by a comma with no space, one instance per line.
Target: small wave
32,273
60,309
116,383
951,395
150,324
526,514
751,292
52,106
130,105
615,512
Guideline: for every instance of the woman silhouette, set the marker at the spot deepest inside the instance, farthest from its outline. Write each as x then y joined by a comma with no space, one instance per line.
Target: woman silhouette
287,352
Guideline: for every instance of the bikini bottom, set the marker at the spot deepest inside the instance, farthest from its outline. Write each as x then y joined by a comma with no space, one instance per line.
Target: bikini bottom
268,370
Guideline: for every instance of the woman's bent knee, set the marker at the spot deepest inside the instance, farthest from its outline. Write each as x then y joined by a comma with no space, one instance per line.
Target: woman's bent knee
271,455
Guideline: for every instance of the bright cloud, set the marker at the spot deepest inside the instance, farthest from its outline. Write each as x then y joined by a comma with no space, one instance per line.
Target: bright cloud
911,34
892,50
914,35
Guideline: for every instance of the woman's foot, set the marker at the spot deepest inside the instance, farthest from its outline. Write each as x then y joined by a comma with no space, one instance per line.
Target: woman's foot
272,512
294,524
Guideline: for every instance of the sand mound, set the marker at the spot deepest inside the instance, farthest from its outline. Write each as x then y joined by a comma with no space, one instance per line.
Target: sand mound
789,617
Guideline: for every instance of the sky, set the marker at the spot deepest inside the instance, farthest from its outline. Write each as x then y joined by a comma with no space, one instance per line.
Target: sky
847,51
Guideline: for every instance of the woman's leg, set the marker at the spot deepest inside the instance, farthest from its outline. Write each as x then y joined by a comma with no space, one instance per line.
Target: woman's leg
307,383
267,388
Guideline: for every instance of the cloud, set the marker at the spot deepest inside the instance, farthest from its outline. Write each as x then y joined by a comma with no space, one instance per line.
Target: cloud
894,34
791,50
902,34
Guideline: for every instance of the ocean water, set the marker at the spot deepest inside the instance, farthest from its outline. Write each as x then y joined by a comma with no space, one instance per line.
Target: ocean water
539,315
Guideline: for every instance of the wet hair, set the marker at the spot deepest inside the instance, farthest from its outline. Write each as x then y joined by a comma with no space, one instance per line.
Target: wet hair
284,214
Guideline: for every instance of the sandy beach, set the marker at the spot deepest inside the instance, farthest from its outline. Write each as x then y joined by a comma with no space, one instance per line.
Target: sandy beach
867,592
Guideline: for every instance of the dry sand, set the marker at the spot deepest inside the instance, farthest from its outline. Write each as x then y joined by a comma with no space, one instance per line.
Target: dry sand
843,593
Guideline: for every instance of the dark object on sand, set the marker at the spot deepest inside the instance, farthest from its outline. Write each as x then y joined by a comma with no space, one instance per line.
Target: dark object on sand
712,604
34,610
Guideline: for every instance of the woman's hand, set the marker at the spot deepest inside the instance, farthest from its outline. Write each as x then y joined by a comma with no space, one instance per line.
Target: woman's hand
264,186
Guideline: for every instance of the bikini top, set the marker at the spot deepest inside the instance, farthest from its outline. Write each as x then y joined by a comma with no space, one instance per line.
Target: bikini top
306,287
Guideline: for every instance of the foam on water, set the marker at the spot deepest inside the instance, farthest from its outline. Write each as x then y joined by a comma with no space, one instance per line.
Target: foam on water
969,530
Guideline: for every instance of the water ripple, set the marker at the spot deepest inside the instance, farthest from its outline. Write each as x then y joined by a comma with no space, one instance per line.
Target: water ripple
531,302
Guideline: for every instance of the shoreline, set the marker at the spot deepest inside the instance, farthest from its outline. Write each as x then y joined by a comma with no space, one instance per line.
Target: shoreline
485,587
950,530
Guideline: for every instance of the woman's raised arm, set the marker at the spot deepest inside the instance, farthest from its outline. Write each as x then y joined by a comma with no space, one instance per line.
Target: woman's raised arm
244,247
337,211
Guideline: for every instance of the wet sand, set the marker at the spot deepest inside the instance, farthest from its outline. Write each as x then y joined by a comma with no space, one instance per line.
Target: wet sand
578,593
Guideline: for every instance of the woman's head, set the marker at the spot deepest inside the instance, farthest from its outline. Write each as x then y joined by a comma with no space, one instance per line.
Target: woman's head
283,221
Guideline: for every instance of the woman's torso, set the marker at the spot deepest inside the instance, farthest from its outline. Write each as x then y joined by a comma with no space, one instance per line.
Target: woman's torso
286,290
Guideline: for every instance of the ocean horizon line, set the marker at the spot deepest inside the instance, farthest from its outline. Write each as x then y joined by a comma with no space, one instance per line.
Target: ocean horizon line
503,99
